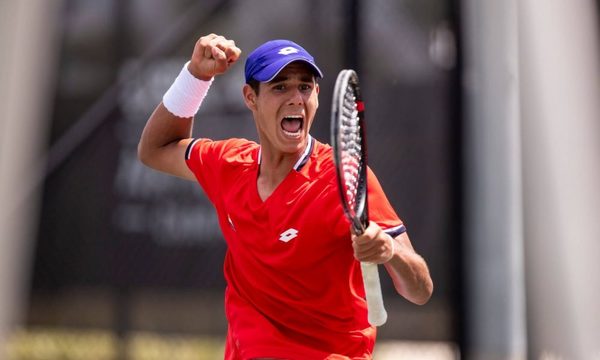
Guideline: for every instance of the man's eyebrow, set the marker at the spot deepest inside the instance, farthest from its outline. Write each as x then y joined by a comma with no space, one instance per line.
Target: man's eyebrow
281,78
307,78
278,78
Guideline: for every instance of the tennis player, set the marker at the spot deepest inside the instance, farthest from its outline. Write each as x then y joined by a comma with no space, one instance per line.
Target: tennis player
294,287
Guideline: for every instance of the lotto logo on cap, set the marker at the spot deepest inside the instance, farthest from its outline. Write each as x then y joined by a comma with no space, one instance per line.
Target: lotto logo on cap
267,60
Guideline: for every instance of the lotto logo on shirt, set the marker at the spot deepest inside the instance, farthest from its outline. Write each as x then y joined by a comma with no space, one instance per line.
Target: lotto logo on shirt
288,235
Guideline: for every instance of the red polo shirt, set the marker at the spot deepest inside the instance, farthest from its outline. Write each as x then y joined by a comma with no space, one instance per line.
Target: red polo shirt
294,289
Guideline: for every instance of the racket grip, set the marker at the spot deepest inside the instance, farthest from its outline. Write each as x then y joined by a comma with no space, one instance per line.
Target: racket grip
377,313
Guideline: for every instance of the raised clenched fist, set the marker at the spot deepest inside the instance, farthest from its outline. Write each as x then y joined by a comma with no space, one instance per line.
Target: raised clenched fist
213,55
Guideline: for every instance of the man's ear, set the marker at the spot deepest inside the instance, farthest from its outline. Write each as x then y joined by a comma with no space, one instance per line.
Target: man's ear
249,97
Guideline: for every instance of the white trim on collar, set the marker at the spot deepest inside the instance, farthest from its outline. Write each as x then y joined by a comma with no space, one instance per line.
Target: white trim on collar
303,159
305,154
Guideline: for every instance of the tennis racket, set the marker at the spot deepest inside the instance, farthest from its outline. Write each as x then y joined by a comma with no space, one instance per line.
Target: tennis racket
348,138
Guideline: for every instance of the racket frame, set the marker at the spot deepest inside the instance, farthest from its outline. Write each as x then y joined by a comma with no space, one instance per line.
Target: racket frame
359,216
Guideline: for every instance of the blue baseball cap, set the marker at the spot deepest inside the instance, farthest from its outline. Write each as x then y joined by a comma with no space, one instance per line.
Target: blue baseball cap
267,60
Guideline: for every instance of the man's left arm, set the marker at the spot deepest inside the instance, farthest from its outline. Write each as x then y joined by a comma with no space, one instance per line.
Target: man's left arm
408,270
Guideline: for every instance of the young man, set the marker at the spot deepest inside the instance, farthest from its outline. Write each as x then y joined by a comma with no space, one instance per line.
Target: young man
294,286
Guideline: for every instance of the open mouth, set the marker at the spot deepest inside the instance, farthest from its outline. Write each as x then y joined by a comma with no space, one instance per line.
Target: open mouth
292,125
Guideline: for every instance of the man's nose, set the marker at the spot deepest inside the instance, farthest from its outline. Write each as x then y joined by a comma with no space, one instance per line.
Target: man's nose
296,97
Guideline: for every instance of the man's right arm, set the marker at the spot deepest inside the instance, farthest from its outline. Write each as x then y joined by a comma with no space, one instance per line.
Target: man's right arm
166,136
164,141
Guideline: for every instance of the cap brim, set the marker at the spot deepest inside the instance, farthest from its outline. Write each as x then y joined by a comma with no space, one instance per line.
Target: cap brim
269,72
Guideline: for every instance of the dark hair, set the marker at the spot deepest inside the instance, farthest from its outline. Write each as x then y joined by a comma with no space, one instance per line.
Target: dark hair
254,84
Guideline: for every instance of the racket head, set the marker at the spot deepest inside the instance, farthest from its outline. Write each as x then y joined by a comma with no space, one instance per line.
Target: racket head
348,139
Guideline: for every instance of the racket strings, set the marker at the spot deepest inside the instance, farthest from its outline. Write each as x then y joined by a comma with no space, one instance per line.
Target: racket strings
351,149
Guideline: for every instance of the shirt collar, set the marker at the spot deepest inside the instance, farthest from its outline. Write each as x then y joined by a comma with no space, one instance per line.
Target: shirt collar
303,159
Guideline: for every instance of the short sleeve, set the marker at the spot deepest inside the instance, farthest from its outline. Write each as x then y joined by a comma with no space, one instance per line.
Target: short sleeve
211,161
380,209
202,157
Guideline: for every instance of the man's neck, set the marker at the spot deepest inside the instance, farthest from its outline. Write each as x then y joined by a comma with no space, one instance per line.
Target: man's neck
274,166
272,171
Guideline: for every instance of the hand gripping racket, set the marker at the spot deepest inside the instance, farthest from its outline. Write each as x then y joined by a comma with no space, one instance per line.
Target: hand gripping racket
348,138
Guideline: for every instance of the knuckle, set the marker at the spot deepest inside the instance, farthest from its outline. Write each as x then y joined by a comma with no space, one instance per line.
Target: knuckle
204,42
208,37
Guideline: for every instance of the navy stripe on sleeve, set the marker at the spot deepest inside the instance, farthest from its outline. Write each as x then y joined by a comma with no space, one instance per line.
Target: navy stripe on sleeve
188,151
395,231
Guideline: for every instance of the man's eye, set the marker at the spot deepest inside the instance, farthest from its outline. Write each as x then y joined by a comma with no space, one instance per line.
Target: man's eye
305,87
279,87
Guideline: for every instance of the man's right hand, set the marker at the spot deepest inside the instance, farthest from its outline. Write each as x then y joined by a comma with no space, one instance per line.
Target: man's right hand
166,136
213,55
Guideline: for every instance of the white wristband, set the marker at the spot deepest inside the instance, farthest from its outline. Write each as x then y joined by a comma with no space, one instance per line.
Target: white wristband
184,97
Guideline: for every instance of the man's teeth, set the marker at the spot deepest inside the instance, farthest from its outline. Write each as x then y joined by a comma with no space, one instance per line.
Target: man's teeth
288,122
291,133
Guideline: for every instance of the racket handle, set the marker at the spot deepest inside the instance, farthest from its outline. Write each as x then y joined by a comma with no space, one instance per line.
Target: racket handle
377,313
